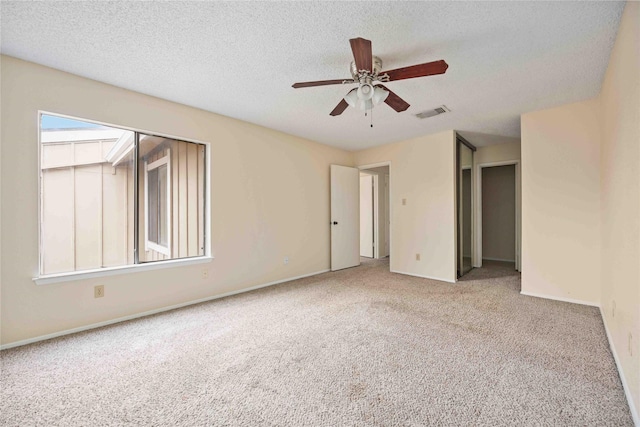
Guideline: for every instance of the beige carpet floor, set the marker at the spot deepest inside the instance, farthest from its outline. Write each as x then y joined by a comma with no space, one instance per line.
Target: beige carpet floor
360,347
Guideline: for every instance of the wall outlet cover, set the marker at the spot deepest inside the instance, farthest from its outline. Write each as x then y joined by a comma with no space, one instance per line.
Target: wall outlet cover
98,291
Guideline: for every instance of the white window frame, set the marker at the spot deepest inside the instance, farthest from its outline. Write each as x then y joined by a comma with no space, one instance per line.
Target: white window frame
148,244
45,279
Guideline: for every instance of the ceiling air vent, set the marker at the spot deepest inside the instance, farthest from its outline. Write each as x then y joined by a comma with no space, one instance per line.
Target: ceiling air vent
430,113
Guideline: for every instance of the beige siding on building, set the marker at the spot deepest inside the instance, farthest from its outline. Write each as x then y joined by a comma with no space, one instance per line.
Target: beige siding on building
187,171
84,216
58,221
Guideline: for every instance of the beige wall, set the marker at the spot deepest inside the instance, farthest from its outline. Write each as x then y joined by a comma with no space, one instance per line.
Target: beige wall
499,213
620,203
422,172
561,202
269,194
497,153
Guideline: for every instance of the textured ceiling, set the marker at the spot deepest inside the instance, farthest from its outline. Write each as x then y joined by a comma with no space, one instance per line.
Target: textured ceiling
239,59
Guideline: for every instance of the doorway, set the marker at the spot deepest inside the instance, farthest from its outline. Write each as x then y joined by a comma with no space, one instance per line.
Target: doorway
464,192
374,211
498,213
367,188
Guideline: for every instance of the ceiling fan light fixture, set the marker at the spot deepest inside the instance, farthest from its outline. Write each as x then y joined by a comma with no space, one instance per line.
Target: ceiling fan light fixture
365,91
352,97
379,95
364,104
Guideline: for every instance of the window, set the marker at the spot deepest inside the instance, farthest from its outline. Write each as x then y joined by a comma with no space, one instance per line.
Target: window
112,197
158,188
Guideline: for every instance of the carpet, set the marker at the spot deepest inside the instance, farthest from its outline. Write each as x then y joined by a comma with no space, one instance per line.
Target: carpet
358,347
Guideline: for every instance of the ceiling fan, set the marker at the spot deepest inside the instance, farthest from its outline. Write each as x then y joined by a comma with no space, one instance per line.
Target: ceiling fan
365,71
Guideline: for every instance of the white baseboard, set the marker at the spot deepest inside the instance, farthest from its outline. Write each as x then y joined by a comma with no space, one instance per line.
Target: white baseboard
498,259
571,300
423,277
150,312
627,393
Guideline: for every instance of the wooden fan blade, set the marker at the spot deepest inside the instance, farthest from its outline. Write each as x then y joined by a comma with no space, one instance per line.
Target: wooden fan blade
420,70
394,101
362,54
339,108
320,83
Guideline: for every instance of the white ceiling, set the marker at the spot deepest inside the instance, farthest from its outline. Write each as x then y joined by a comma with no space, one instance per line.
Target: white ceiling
239,59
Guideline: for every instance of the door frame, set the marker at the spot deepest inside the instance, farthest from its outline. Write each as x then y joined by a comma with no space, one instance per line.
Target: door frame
372,211
477,262
376,238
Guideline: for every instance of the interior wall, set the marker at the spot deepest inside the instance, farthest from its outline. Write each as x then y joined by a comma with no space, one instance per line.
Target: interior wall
269,199
620,203
561,202
423,175
499,213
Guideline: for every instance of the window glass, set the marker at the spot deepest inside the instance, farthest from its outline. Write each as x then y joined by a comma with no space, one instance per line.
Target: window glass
89,182
173,215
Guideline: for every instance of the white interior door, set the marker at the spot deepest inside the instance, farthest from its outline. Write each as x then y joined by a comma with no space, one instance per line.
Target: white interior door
345,217
366,216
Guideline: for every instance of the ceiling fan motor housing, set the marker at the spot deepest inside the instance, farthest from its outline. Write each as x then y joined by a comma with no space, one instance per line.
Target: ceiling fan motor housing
358,75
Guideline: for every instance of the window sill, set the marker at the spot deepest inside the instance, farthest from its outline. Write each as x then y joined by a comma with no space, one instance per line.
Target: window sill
125,269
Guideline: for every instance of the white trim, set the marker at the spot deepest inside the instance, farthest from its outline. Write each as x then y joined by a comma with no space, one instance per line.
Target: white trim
423,277
570,300
208,253
388,201
478,210
625,386
161,161
148,244
146,207
124,269
123,146
498,259
376,216
375,165
158,248
150,312
459,203
139,130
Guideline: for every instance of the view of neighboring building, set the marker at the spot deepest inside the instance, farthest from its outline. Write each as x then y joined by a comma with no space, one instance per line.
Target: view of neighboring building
88,198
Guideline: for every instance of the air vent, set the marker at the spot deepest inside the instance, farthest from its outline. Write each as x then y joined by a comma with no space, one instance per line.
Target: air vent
430,113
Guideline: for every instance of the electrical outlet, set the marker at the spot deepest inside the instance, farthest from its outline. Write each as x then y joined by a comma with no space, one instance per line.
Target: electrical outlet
286,260
417,257
630,344
404,202
98,291
205,273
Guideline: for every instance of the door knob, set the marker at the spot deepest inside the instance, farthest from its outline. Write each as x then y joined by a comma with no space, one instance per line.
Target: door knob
335,222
